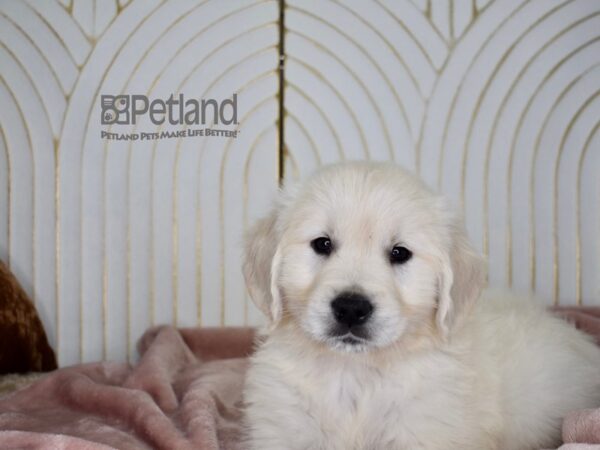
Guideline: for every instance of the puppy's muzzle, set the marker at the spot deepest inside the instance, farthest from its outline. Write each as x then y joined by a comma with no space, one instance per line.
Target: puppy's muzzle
351,309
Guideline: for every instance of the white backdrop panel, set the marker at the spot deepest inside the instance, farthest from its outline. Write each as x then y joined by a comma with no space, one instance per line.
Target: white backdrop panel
493,103
111,237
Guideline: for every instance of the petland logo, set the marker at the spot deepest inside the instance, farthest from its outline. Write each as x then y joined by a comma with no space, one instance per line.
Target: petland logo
175,110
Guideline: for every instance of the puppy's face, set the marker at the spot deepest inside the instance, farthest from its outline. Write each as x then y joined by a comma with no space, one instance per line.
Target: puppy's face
360,258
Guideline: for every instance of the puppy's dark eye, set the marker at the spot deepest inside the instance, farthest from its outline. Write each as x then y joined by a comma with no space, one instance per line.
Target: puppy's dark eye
399,255
322,245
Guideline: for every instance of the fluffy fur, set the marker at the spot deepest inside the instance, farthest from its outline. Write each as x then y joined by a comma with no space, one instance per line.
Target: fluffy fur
439,368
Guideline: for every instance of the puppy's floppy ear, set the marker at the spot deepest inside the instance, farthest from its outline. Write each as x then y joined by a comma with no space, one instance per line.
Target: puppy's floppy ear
261,265
461,280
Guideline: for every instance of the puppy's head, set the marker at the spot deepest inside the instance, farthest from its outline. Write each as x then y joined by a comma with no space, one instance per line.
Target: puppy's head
362,256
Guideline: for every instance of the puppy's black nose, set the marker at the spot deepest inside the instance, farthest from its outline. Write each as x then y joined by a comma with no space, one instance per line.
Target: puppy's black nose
351,308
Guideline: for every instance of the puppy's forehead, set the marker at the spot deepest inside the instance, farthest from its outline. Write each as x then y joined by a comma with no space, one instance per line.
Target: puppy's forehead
368,196
367,182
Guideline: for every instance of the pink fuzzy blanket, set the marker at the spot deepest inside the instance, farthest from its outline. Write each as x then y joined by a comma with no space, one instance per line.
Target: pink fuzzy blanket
184,393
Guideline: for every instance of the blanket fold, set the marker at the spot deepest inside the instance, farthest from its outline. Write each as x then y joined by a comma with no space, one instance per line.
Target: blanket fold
185,392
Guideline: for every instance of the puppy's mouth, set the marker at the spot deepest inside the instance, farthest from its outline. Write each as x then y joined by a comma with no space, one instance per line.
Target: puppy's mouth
359,332
352,339
349,339
349,343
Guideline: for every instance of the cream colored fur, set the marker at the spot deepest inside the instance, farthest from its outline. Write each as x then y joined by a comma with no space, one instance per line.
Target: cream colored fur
444,367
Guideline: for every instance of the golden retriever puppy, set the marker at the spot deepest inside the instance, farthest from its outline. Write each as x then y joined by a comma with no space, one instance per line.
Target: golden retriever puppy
378,337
